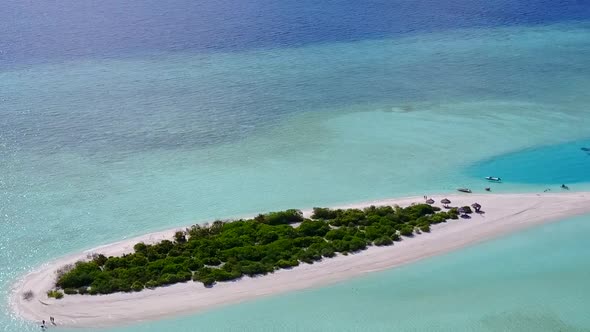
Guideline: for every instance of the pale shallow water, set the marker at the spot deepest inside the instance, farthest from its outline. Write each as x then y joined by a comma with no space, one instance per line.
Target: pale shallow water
99,142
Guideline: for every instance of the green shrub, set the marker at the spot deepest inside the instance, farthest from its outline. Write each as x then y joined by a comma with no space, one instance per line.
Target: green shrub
194,264
212,261
208,281
71,291
184,276
438,218
383,241
357,244
151,284
137,286
174,252
223,275
313,228
55,294
284,264
140,248
407,230
328,252
283,217
180,237
425,228
341,245
167,279
83,290
323,213
100,260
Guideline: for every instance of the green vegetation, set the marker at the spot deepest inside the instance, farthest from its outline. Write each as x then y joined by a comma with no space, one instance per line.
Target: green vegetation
226,251
55,294
70,291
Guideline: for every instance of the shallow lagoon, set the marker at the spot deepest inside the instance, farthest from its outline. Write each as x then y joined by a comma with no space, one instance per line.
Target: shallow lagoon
97,149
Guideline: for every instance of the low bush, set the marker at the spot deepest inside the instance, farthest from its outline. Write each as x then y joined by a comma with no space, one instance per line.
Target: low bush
55,294
151,284
137,286
407,230
71,291
383,241
180,237
284,264
328,252
324,213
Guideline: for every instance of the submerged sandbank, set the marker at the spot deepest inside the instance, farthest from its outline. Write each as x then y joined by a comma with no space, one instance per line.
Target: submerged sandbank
504,213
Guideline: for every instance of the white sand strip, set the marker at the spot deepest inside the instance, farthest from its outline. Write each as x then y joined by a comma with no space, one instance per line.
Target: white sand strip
504,213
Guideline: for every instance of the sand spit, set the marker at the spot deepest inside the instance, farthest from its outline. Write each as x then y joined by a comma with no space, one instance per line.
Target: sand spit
504,213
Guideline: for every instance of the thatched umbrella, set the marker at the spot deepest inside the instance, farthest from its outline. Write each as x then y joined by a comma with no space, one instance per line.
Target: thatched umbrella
430,201
476,206
446,201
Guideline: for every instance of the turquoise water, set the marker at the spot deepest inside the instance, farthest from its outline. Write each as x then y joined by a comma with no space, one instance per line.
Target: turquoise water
541,165
534,280
97,148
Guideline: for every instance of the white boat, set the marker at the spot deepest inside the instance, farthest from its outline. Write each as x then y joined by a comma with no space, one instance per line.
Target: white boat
493,178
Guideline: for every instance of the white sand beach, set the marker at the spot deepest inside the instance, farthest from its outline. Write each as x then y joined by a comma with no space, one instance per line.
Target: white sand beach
504,213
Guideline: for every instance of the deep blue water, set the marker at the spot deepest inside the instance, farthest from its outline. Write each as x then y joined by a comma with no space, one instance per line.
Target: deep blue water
564,163
45,31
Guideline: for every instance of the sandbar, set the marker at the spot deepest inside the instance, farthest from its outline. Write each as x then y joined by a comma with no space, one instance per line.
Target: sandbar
504,213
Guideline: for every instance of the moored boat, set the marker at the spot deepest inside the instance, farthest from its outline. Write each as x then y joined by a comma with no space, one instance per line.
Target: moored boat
464,190
493,178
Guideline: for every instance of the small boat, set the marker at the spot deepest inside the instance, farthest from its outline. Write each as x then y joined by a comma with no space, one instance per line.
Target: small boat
464,190
493,178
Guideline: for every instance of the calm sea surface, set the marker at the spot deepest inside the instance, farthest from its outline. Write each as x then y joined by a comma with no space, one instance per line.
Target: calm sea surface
119,118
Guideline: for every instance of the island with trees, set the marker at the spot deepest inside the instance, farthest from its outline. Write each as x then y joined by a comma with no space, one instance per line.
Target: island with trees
229,250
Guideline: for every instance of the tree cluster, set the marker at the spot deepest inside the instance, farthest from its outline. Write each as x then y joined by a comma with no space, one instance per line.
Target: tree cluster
226,251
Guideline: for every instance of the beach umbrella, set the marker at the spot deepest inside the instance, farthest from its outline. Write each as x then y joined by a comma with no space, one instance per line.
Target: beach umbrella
446,201
476,206
461,210
430,201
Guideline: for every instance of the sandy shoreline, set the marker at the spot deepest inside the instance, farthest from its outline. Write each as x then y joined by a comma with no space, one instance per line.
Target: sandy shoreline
505,213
